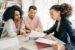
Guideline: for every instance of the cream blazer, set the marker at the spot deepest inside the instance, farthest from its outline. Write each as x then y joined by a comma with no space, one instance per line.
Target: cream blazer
9,29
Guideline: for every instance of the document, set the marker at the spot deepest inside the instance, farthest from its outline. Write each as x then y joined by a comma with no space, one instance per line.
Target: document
8,43
45,41
35,34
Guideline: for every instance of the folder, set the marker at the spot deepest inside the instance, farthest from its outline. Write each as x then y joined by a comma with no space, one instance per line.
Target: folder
44,45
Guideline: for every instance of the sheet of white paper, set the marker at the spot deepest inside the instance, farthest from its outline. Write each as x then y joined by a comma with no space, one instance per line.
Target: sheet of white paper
8,43
36,34
45,41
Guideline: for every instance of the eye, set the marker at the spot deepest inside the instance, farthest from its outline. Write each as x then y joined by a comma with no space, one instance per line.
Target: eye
51,13
16,15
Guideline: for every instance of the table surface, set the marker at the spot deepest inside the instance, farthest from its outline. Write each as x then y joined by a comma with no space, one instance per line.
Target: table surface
29,44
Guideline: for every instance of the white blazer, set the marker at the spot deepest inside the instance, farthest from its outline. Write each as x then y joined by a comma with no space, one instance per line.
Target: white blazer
9,29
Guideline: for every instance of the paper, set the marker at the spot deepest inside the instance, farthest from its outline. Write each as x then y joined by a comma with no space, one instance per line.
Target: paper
25,38
36,34
8,43
45,41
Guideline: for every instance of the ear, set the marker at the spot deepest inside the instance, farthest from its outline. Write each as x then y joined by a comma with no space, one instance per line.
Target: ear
59,12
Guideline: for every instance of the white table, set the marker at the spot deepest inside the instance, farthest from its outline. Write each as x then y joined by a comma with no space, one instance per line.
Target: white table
29,44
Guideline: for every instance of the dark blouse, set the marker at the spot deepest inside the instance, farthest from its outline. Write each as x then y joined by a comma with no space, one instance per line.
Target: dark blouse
65,33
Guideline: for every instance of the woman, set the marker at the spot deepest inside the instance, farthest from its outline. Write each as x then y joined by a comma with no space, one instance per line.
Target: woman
62,27
12,17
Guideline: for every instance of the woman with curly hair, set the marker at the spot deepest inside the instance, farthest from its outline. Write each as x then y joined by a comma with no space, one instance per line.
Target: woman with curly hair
12,17
62,27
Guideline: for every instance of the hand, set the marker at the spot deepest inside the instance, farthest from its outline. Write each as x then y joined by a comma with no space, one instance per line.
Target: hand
24,34
58,46
18,33
28,31
55,46
63,47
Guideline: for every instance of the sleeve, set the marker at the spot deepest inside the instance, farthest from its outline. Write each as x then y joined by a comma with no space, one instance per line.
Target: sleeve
71,33
68,46
3,32
52,29
22,28
10,28
39,27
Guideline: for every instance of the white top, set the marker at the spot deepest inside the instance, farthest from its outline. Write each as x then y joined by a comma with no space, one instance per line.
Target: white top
9,29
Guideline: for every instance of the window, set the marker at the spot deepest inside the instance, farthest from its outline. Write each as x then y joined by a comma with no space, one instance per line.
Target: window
43,7
25,6
73,14
43,12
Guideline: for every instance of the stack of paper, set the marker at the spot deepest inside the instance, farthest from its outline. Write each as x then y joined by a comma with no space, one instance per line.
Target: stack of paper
36,34
45,41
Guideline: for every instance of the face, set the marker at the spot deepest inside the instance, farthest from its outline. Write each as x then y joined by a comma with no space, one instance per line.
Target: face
54,14
32,13
16,15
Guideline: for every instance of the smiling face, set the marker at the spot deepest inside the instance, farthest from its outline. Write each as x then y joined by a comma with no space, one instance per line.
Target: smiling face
32,13
54,14
16,15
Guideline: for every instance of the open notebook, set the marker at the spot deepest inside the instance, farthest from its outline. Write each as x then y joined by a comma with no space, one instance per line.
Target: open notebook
35,34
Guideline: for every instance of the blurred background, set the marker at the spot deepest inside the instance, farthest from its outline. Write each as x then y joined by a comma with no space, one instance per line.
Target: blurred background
43,7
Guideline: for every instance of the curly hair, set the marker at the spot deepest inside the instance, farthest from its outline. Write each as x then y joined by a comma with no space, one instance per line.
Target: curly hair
65,9
9,13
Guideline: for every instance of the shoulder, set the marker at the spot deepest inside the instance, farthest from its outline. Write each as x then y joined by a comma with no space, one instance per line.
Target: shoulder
67,24
37,17
9,21
66,21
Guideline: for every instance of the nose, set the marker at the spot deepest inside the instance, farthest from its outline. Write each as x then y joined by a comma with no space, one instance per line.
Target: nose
18,16
32,15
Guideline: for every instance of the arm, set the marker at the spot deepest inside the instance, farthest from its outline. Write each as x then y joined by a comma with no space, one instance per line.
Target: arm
52,29
71,32
72,37
49,31
10,28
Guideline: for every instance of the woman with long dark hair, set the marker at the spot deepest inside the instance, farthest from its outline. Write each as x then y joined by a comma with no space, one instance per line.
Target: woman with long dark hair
12,17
